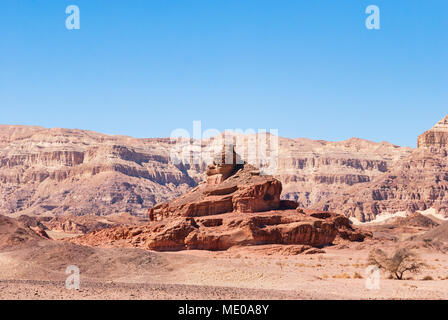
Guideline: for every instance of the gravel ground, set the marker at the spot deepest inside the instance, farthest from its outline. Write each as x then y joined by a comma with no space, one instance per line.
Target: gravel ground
34,290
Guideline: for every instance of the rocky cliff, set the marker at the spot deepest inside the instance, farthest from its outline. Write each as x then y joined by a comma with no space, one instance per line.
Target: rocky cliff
313,171
62,171
436,137
418,182
56,171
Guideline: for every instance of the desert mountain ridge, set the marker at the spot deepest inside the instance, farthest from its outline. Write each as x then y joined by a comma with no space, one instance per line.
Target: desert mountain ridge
416,183
76,172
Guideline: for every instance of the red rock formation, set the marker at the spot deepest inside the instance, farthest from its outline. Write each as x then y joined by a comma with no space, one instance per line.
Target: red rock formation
220,232
244,209
230,187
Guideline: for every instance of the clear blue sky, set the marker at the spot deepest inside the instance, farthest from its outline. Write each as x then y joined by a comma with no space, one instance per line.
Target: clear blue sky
146,67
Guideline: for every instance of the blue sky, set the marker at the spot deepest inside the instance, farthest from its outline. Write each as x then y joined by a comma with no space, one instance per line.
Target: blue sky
307,68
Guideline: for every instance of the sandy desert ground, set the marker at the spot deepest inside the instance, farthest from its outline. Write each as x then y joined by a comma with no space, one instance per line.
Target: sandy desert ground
260,272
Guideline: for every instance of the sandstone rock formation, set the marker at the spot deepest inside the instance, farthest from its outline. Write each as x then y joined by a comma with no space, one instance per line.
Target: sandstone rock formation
74,172
244,209
418,182
220,232
229,188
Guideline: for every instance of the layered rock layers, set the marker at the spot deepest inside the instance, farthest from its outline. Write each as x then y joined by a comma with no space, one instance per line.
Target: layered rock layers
418,182
436,137
61,171
244,209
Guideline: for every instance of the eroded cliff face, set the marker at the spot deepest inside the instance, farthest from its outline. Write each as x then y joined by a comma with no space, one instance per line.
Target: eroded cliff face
55,171
418,182
436,137
314,171
62,171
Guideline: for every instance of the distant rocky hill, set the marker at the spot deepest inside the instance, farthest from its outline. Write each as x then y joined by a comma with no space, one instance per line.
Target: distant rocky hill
62,171
436,234
56,171
313,171
15,233
418,182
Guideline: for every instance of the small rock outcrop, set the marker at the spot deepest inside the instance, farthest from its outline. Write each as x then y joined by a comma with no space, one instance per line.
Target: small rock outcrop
235,206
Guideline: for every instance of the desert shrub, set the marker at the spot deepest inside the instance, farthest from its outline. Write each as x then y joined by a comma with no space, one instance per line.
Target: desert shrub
426,278
342,276
403,260
357,275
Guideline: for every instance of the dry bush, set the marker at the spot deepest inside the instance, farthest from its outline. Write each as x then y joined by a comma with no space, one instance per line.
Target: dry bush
403,260
342,276
426,278
357,275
